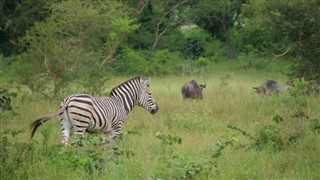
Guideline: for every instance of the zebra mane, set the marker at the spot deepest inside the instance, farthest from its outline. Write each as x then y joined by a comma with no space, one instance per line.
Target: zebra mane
112,92
128,95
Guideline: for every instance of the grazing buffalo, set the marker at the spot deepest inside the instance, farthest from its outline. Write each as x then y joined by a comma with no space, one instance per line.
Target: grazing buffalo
271,86
192,90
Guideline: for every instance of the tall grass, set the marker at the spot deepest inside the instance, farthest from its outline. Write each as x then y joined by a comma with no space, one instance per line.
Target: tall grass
143,154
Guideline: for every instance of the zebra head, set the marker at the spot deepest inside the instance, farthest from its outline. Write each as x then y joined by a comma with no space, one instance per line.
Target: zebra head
145,98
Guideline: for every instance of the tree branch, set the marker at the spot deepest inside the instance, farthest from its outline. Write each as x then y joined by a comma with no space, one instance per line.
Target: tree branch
45,60
284,53
278,55
159,34
141,8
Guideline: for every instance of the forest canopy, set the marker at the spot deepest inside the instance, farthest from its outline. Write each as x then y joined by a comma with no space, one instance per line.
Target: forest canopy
53,43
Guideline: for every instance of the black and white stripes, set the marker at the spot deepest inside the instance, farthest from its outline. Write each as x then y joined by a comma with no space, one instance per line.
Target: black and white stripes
83,112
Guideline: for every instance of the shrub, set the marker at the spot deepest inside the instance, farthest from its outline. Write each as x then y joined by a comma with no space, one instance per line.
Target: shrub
201,62
5,99
287,129
197,40
162,62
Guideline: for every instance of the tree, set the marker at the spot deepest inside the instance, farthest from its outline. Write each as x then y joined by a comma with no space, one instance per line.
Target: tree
288,29
79,39
218,17
16,17
158,19
44,59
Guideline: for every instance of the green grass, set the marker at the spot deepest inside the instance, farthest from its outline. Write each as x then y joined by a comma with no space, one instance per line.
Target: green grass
199,124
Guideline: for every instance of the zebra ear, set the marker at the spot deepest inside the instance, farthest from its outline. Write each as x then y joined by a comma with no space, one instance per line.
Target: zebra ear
144,80
148,81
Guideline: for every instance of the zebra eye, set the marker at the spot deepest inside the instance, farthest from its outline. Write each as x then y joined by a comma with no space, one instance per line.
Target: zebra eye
147,85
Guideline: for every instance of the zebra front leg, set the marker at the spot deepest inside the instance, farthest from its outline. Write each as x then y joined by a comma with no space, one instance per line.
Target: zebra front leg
111,139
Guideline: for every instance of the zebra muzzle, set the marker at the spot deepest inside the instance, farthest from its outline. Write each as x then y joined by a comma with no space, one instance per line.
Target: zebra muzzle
155,110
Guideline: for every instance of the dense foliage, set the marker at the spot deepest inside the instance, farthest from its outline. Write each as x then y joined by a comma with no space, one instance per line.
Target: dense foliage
54,43
288,29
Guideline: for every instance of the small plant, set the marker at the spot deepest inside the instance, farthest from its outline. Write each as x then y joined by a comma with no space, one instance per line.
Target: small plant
224,80
168,139
277,119
266,136
5,99
278,136
246,134
315,125
12,154
167,158
298,106
93,153
192,169
286,131
6,143
270,137
216,151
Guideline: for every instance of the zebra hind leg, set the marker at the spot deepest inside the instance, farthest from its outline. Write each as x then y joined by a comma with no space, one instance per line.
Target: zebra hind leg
79,136
65,130
112,139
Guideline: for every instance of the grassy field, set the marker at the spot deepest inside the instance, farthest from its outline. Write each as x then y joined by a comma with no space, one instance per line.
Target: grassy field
183,140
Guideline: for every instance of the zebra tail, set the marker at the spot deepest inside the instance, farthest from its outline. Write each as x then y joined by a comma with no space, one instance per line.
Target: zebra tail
34,126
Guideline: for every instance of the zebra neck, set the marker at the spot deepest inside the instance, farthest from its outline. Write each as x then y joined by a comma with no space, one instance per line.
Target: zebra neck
128,93
127,100
128,104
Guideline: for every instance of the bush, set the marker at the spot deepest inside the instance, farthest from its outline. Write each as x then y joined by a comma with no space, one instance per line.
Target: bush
5,99
91,157
201,62
162,62
289,128
197,40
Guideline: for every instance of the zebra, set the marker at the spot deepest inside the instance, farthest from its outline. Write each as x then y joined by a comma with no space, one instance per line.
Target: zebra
107,114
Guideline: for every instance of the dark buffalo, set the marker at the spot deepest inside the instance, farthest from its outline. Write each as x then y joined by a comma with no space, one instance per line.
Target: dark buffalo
271,86
192,90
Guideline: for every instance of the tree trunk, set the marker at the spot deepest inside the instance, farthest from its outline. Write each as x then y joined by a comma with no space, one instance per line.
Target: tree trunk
55,87
228,37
